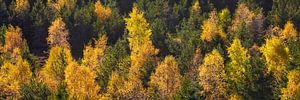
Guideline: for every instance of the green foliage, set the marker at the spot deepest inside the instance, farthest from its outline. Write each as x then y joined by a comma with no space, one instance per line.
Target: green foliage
35,90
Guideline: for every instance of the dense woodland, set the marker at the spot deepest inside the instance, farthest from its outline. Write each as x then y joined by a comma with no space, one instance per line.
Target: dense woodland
149,49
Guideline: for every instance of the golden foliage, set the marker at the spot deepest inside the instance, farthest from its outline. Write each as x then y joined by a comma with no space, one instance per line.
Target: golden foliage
13,39
115,84
211,29
167,78
21,6
93,56
53,72
276,56
59,4
58,34
141,47
81,82
212,76
242,15
292,91
103,13
12,76
289,32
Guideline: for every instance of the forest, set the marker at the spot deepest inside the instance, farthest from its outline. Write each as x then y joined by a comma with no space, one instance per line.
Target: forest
149,50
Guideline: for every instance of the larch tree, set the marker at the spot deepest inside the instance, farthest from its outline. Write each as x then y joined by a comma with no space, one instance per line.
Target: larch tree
80,82
13,39
212,76
93,56
142,49
115,84
289,32
58,34
239,73
53,72
225,19
57,5
211,28
167,78
103,13
21,6
276,55
243,15
292,91
12,77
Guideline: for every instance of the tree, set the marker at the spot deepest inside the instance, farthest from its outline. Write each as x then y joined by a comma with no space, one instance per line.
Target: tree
276,56
34,91
167,78
22,6
141,50
115,85
212,76
103,13
211,28
239,73
13,76
53,72
81,82
283,11
93,56
242,15
289,32
57,5
292,91
58,34
13,39
225,19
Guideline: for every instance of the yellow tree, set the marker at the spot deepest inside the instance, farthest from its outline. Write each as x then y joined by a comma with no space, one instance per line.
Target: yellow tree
292,91
21,6
211,29
12,76
102,12
239,69
212,76
53,72
242,15
59,4
93,56
142,49
167,78
58,34
289,32
114,86
276,55
81,82
13,39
